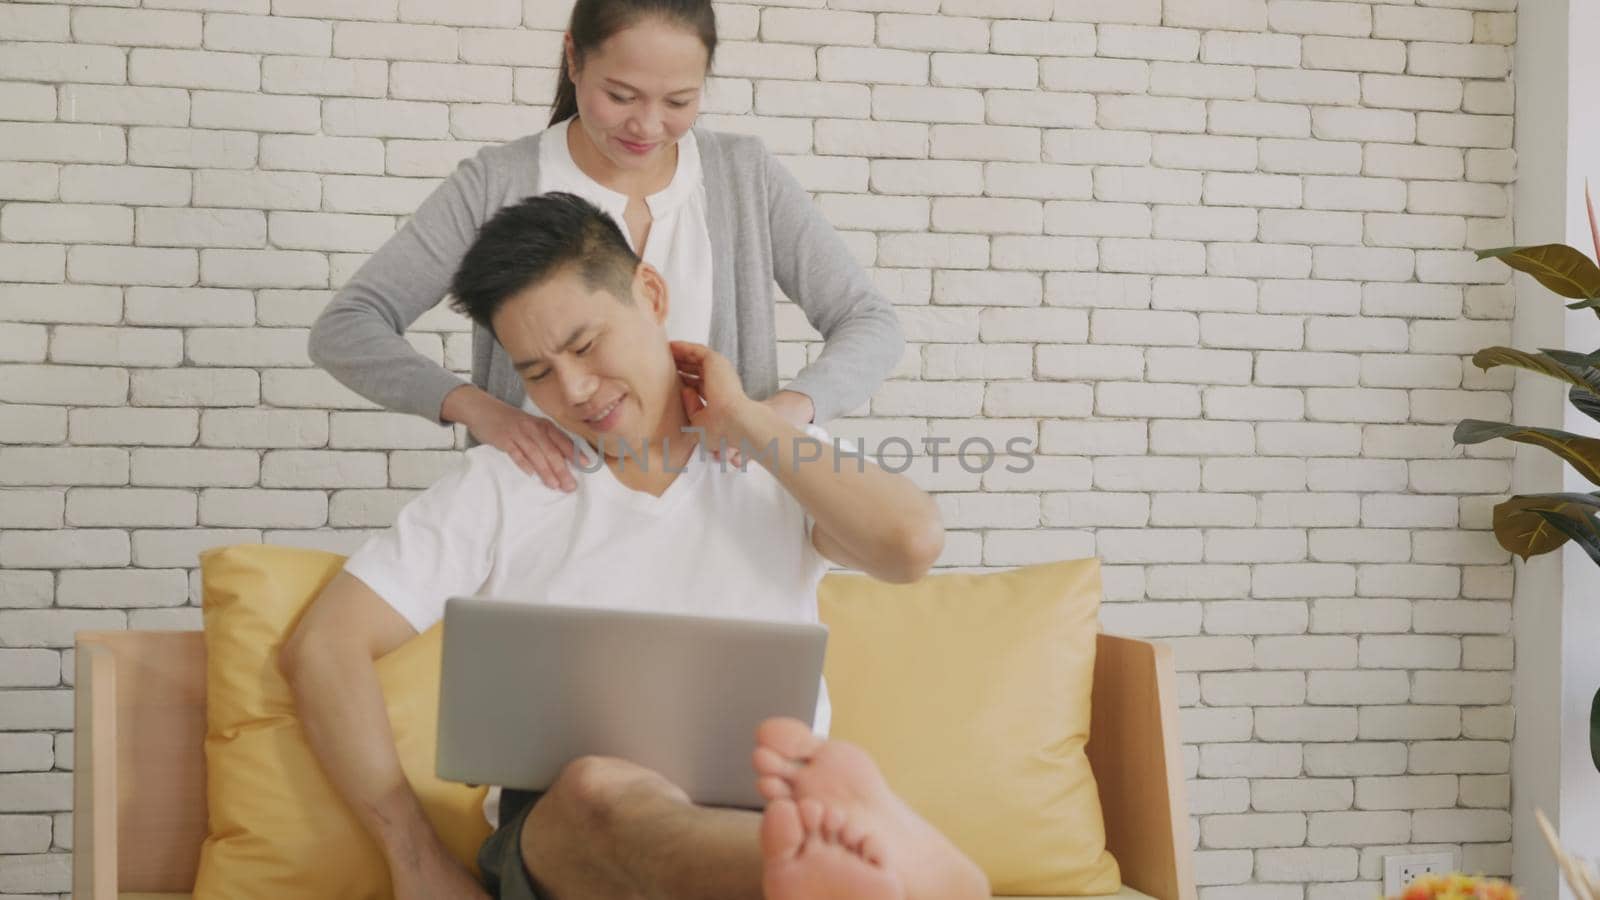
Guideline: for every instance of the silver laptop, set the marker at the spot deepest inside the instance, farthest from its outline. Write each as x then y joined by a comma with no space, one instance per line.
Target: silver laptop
527,688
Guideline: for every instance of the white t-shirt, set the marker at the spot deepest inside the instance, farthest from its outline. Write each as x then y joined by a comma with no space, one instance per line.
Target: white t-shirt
718,542
679,242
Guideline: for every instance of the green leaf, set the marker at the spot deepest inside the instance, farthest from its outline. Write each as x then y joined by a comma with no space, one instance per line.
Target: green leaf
1544,362
1582,453
1583,535
1520,528
1594,731
1556,266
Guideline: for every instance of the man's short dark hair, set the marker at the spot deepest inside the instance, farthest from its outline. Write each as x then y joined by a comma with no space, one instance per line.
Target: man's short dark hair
527,242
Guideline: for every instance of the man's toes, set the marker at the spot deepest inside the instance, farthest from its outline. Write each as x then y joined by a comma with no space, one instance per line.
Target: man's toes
873,851
788,737
832,825
772,788
768,761
781,832
811,813
851,836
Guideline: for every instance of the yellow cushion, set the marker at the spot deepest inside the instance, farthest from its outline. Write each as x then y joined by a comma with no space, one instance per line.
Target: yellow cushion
277,829
972,693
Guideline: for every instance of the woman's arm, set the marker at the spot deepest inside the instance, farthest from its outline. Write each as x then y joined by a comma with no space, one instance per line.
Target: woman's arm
862,334
359,336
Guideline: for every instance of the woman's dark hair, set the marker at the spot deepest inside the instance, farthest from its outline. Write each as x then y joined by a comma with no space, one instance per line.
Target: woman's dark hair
525,243
595,21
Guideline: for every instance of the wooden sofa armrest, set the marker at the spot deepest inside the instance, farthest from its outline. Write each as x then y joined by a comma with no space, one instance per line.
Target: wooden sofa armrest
94,779
1137,759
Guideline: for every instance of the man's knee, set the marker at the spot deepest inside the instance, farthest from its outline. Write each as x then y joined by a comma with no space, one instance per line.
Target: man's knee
592,792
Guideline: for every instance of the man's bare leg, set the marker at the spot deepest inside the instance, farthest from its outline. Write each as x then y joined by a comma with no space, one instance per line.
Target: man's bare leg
795,764
611,830
815,853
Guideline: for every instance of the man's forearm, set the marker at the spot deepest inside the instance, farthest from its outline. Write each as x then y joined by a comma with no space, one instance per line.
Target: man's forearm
884,519
342,711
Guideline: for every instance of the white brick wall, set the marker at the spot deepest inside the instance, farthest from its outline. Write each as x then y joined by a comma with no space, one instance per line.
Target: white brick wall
1209,254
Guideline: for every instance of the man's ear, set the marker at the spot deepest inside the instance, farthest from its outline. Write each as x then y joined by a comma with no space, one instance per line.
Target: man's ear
650,291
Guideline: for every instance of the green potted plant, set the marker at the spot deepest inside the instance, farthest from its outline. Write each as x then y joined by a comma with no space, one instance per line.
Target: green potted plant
1531,524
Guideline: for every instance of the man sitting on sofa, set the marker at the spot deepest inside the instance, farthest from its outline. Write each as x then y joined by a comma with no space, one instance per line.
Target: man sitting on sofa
667,529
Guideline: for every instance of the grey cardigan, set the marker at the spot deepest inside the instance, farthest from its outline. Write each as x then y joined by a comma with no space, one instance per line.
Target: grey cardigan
764,228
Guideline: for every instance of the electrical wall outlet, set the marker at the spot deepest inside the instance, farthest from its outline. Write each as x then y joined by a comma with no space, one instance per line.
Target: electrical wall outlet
1401,870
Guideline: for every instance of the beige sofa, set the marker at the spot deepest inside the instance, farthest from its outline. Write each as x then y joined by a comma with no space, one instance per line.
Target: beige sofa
139,794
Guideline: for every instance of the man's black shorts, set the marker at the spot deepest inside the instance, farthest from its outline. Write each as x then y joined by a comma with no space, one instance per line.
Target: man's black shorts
500,857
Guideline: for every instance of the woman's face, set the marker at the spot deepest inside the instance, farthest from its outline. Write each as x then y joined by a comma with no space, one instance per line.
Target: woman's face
639,91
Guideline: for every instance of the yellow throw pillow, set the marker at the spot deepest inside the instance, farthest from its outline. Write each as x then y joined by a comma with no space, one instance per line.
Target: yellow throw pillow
972,693
277,828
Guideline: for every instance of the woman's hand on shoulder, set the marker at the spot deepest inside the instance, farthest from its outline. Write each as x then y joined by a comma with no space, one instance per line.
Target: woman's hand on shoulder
537,445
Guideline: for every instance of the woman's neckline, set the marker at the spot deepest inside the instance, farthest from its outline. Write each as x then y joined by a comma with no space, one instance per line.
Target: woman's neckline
569,138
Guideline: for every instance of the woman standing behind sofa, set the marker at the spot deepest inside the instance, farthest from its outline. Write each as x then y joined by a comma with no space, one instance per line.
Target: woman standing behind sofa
715,213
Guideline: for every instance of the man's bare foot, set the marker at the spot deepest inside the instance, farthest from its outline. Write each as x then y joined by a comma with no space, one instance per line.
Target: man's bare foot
794,764
814,853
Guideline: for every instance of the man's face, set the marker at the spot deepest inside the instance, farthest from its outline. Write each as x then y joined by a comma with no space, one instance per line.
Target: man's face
597,365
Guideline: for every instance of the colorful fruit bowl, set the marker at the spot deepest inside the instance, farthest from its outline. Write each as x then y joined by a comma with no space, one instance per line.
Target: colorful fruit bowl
1457,887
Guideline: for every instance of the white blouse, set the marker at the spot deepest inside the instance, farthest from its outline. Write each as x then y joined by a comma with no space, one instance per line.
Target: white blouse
679,242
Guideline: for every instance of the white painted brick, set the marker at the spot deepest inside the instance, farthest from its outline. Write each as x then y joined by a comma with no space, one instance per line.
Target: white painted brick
202,227
263,268
1487,652
922,32
202,69
1034,180
1253,830
195,386
1309,86
1143,42
1296,226
1258,260
1302,510
1408,723
340,77
1307,864
1217,795
1250,48
1202,80
1300,794
1353,193
491,13
1353,54
268,34
1466,757
1095,76
1253,403
1410,581
1252,190
1205,152
52,62
216,109
184,148
1097,147
1152,257
1203,294
1489,98
1039,38
1099,220
809,26
1490,722
72,548
1045,109
1025,325
124,588
1144,473
1486,790
1358,828
1362,758
1256,119
1137,12
29,23
1411,92
928,250
872,65
1459,60
20,590
1418,24
263,508
384,118
1455,130
1314,17
1143,113
1333,123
